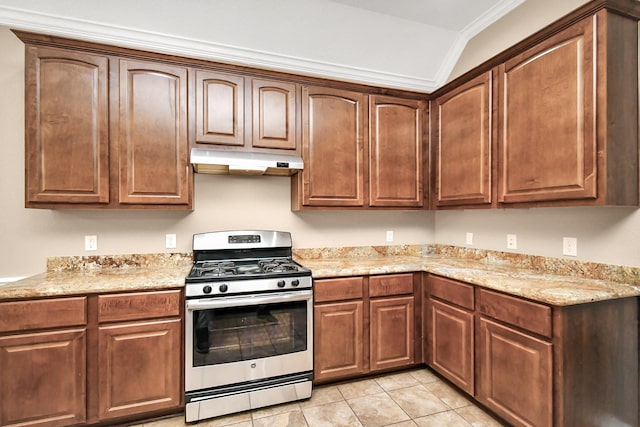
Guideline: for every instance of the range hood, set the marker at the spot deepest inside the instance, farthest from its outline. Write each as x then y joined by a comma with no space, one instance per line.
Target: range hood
207,160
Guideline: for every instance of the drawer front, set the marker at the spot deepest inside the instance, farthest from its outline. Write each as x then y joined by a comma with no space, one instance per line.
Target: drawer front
390,284
138,305
451,291
38,314
325,290
527,315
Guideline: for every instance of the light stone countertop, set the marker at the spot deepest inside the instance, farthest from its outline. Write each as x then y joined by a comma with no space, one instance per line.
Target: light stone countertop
552,289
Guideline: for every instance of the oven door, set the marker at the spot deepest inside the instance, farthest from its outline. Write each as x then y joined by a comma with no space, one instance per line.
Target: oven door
238,339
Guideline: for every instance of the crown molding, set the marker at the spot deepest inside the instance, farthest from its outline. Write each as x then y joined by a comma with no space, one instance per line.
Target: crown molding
489,17
169,44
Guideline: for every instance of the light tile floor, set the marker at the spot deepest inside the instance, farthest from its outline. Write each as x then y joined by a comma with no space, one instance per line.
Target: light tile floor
410,398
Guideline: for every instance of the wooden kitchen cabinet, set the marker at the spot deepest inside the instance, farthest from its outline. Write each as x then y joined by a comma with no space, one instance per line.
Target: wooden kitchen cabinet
88,360
359,151
103,131
67,126
338,328
449,322
395,151
334,126
463,145
242,112
139,362
569,116
43,369
392,322
153,149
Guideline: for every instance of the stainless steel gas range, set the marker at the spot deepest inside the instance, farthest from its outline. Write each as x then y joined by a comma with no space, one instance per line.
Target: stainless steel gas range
249,324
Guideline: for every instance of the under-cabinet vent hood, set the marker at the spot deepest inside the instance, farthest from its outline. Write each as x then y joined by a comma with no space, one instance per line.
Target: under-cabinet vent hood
206,160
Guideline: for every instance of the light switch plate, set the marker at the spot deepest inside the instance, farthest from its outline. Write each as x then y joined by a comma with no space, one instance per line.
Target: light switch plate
170,241
91,243
469,239
512,242
389,236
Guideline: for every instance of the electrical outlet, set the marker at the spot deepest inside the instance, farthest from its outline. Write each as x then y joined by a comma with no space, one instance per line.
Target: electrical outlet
469,239
170,241
512,242
389,236
90,243
570,246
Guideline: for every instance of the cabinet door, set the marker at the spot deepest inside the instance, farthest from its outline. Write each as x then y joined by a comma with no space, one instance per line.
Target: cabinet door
395,149
392,326
67,133
515,375
547,137
43,378
153,147
451,344
338,340
219,108
333,135
274,114
463,140
139,367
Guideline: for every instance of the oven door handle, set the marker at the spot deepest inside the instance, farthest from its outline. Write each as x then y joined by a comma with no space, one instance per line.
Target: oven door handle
211,303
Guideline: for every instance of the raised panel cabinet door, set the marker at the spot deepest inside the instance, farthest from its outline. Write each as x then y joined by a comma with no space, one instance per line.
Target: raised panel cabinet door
138,367
43,378
392,327
338,340
67,127
452,345
274,114
547,131
463,144
333,135
219,108
153,147
395,150
515,377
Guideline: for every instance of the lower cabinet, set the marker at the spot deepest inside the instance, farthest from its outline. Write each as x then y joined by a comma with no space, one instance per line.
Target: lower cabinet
138,367
362,325
535,364
88,360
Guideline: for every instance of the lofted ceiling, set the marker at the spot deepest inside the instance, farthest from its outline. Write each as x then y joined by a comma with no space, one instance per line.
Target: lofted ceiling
405,44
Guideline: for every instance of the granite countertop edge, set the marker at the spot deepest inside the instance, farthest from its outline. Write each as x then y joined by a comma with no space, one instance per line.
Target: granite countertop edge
551,289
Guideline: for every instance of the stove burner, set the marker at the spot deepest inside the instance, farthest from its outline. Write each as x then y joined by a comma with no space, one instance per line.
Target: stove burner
207,269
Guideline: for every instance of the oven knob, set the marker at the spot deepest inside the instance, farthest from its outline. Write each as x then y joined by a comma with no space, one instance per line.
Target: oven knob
281,283
295,282
223,288
206,289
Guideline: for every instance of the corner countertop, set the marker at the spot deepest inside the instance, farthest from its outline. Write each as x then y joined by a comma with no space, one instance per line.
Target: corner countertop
545,280
552,289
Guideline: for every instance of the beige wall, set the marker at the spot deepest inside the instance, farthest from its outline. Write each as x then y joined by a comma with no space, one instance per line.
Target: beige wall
29,236
609,235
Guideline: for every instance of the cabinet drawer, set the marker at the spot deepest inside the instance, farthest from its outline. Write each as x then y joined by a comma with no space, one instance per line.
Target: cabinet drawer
337,289
527,315
391,284
138,305
452,291
36,314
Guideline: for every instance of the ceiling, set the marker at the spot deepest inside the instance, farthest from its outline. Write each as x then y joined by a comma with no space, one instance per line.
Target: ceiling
453,15
404,44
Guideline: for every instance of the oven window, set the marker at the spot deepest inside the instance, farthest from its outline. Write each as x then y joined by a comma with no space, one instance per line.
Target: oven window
242,333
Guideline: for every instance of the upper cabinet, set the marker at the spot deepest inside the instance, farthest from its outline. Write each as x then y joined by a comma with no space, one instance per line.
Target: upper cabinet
563,110
67,127
240,112
359,151
104,132
333,135
395,152
462,144
152,131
